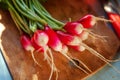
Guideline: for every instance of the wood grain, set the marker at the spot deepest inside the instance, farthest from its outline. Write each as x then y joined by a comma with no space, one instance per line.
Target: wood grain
21,63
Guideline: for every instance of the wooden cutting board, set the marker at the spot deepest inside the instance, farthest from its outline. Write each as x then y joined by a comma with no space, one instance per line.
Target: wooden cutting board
21,63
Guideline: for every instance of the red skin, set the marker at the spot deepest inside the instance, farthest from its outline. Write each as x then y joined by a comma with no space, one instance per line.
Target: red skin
36,46
65,38
35,39
77,47
26,42
54,42
73,28
87,21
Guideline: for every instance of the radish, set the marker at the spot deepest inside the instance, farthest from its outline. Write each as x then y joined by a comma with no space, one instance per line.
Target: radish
77,29
88,21
56,43
41,39
67,38
84,35
53,39
27,45
81,48
64,49
73,28
78,47
36,46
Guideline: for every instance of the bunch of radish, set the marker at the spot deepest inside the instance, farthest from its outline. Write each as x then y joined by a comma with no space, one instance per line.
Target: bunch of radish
40,32
60,41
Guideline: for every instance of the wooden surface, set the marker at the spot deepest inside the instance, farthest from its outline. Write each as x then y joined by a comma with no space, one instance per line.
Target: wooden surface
23,67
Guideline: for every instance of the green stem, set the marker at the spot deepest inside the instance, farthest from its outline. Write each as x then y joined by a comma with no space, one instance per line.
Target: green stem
18,19
31,15
37,3
24,10
32,24
14,19
44,11
18,24
51,23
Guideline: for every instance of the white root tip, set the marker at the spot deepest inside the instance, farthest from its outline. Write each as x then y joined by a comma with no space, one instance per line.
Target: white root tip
79,28
84,35
64,49
101,19
75,41
96,36
43,40
58,47
82,48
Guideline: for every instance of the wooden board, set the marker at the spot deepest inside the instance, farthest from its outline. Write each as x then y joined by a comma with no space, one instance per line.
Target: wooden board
21,63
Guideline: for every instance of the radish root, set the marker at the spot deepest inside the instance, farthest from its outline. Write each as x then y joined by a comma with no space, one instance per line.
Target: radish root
70,59
95,35
101,19
33,57
94,52
83,64
50,61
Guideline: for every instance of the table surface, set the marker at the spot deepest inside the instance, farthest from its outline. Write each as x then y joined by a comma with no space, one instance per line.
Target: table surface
106,73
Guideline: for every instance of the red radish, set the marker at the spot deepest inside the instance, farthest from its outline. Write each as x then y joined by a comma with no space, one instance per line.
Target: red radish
89,20
78,47
26,43
64,49
39,40
73,28
67,38
84,35
56,45
36,46
54,41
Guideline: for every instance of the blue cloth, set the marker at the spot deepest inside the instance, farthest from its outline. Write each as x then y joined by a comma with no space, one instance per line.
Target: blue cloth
4,72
